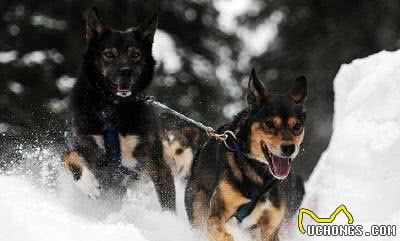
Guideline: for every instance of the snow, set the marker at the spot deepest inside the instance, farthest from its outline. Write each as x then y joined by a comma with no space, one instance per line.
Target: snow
360,168
164,51
40,56
8,56
38,202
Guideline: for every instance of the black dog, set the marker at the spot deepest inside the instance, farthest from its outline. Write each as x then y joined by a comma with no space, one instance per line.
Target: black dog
251,180
112,131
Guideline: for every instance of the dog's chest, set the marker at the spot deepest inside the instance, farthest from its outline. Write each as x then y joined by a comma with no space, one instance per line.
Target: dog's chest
128,145
261,208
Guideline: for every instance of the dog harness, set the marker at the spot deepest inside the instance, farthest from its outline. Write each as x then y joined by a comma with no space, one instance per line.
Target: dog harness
253,193
113,153
112,146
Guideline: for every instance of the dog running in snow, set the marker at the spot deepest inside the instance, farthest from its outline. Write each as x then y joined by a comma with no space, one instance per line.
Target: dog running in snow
111,129
251,181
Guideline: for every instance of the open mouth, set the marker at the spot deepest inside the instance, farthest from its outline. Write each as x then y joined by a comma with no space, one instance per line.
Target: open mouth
123,89
279,166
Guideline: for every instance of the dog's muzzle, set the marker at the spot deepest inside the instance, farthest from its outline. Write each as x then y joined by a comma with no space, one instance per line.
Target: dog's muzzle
279,166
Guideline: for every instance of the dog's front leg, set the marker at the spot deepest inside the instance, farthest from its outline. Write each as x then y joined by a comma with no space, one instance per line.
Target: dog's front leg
269,223
84,179
224,203
160,174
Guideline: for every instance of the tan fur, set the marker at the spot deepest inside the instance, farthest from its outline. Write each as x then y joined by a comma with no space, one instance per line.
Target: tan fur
256,135
253,176
128,145
224,203
200,211
292,121
277,121
73,161
269,223
234,167
298,139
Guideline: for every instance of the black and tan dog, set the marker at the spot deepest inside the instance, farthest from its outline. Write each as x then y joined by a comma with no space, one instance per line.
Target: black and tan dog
112,131
252,181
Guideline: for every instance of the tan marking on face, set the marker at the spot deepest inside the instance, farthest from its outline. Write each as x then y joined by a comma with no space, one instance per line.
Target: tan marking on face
73,161
234,167
128,144
277,121
298,139
292,121
257,135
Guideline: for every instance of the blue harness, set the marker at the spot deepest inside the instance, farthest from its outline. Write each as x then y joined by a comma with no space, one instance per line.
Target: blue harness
253,193
113,152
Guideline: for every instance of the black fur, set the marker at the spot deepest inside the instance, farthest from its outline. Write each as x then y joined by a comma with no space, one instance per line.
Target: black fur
211,165
96,107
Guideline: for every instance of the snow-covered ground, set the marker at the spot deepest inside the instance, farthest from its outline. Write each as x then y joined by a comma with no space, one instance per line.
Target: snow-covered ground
359,169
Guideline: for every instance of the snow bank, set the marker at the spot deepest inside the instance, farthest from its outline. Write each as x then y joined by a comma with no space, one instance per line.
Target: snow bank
361,166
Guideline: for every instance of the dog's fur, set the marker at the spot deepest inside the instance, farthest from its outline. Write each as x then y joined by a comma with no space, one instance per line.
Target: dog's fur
117,67
269,132
179,148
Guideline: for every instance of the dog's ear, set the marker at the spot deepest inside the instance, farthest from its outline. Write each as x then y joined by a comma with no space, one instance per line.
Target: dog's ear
94,25
191,134
298,92
255,90
148,28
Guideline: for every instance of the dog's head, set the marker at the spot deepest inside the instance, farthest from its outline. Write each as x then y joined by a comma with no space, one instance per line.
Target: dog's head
179,148
276,124
121,58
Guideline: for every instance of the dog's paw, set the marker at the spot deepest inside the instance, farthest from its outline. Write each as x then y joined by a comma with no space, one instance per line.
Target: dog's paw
88,184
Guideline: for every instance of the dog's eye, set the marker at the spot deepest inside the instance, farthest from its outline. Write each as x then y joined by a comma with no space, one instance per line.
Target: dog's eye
297,126
179,151
134,54
108,55
269,124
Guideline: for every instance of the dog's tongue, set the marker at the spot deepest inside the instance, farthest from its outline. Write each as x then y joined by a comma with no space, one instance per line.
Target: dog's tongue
280,166
124,86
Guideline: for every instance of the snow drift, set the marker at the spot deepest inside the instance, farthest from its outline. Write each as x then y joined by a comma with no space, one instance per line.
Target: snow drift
359,169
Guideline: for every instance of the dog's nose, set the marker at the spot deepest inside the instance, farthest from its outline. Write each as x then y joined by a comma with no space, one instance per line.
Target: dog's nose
288,149
125,72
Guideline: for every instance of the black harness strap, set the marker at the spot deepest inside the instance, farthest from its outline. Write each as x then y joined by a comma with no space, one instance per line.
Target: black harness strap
253,193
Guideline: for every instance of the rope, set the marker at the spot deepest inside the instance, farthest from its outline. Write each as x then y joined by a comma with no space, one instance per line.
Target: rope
211,133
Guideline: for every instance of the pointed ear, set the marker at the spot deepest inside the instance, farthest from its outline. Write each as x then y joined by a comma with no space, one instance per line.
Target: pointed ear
298,92
148,28
191,134
94,25
255,90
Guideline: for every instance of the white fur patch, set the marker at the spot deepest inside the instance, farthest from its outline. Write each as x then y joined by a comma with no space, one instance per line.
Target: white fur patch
99,141
88,183
128,144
